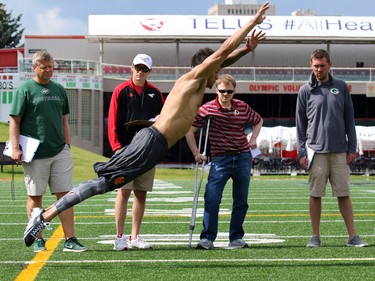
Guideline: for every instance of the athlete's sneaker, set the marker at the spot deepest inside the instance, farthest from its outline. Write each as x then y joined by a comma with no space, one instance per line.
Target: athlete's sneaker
73,245
205,244
314,242
356,241
120,244
35,226
238,243
39,245
138,243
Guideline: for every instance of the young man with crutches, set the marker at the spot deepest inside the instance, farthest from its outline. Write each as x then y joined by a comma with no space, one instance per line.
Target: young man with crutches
230,158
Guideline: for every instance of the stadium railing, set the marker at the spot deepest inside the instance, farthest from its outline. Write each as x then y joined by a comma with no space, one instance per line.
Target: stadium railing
171,73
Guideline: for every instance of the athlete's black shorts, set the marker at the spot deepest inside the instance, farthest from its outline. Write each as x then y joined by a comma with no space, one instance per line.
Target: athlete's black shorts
148,148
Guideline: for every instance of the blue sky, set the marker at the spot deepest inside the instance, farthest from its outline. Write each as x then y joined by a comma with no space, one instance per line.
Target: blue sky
69,17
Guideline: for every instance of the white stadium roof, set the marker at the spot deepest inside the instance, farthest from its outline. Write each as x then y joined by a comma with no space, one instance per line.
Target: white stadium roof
215,29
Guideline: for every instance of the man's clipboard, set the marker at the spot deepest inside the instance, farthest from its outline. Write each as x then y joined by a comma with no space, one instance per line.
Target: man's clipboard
310,156
139,123
28,146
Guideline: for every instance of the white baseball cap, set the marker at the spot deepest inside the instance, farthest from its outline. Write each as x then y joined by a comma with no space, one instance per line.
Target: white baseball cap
143,59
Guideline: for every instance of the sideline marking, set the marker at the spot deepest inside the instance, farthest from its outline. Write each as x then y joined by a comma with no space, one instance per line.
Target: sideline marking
182,215
276,260
181,239
37,263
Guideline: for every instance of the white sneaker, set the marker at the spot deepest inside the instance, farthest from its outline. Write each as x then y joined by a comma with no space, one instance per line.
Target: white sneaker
120,244
138,243
35,212
238,243
205,244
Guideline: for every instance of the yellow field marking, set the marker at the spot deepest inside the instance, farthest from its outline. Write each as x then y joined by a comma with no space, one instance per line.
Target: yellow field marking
31,271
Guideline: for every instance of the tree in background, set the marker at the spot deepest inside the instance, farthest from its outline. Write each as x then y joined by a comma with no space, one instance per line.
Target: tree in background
10,34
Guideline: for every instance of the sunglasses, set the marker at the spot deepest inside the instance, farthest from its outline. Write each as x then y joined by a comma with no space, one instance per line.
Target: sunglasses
144,69
226,91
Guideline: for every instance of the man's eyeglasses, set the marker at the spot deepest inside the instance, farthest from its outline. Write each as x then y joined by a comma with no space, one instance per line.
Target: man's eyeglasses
226,91
143,68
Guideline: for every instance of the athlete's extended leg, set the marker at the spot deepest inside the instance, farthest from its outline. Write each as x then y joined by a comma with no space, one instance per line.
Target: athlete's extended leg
136,159
79,193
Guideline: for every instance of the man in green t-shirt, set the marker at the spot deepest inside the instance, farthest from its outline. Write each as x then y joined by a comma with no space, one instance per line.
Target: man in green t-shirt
39,110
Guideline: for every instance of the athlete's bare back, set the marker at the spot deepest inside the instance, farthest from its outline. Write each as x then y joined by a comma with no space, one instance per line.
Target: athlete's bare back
182,104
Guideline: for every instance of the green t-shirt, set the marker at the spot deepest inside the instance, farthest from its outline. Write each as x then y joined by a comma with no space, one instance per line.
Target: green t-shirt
42,108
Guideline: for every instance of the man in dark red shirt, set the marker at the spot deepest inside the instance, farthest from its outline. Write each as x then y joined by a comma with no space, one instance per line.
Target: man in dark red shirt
231,158
134,99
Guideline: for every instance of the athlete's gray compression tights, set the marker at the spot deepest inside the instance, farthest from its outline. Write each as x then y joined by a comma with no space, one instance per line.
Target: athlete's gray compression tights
83,191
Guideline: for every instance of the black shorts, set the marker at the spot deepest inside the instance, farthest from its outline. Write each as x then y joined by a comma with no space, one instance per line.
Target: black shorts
148,148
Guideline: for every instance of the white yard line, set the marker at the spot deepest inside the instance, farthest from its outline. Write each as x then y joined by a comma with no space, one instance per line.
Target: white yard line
276,260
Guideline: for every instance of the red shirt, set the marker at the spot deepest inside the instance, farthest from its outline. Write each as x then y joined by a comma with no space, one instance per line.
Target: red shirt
226,132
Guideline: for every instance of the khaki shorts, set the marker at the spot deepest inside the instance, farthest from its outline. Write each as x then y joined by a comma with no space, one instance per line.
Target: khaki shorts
332,167
144,182
57,172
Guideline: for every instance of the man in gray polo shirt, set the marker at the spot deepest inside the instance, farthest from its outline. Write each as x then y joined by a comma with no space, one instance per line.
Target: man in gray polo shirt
327,142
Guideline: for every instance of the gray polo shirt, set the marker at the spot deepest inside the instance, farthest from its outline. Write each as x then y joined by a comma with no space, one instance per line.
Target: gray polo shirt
325,117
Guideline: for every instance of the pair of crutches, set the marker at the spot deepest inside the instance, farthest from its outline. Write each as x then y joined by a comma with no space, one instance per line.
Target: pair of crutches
198,182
